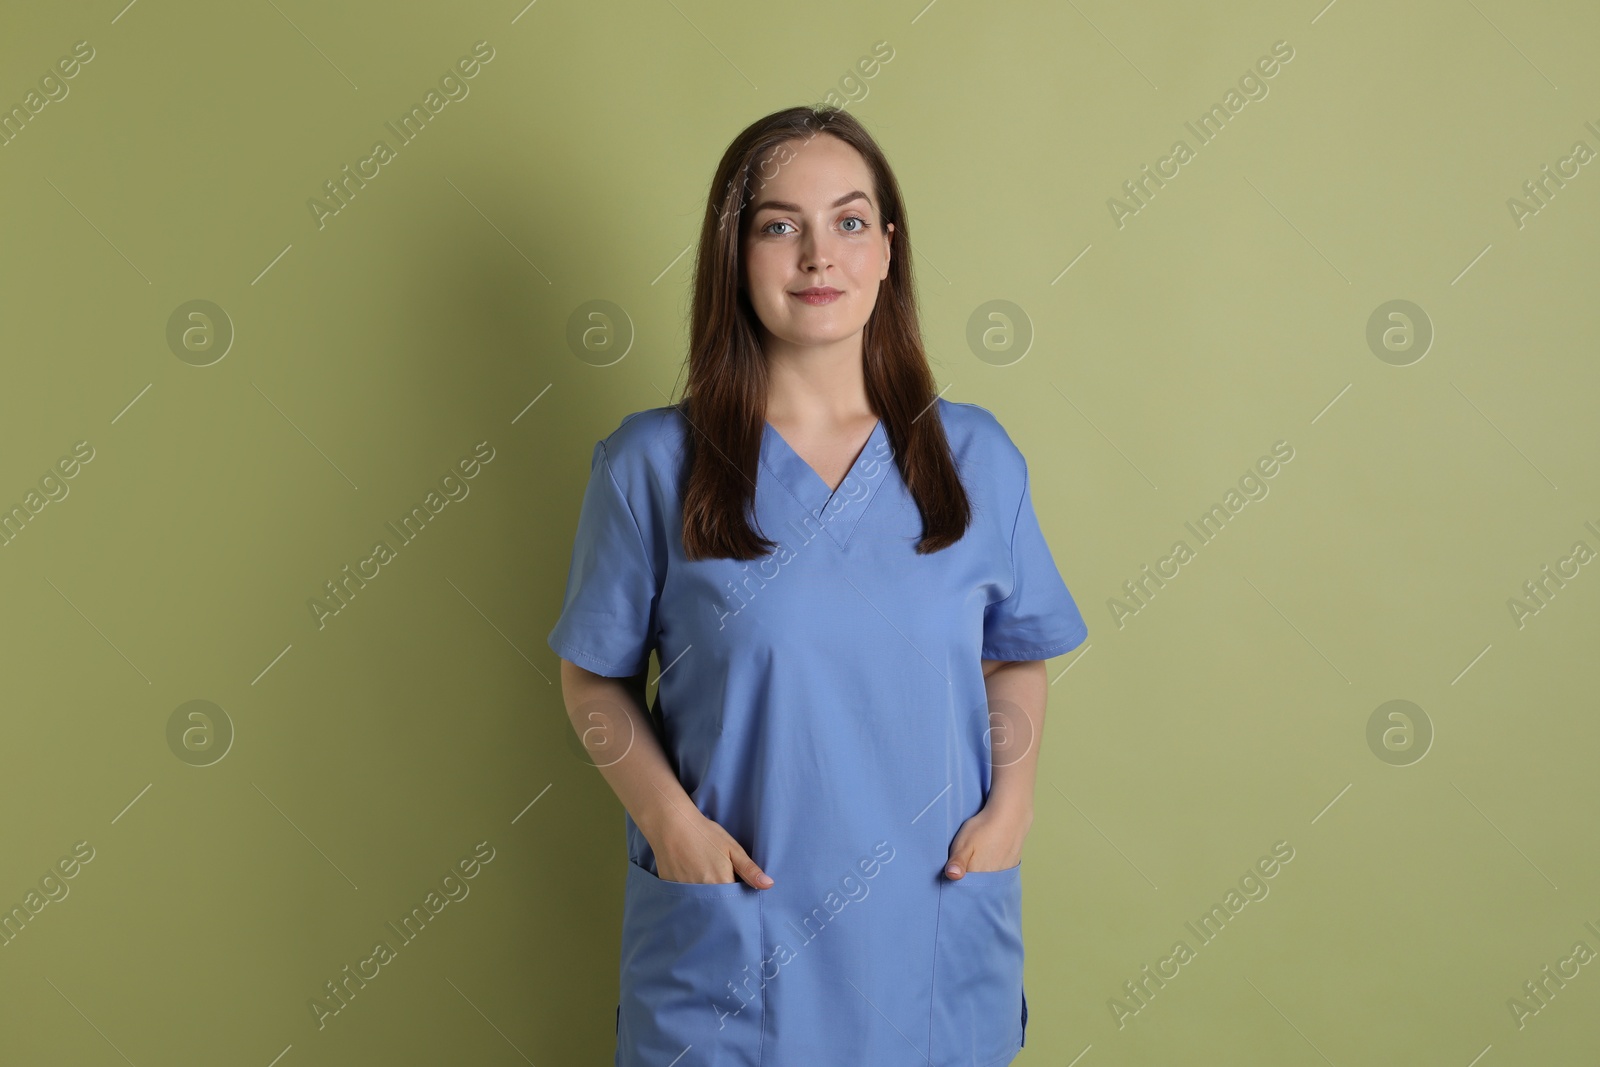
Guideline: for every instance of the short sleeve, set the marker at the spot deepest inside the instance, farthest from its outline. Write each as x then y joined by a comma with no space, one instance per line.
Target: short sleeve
1039,619
608,615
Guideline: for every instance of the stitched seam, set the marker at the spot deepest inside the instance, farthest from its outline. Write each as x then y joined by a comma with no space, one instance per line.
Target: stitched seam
779,479
1012,547
933,989
605,459
761,933
873,492
803,507
644,549
1066,644
819,515
586,654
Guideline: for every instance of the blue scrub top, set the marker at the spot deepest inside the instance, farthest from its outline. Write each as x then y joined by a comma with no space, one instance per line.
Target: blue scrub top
825,705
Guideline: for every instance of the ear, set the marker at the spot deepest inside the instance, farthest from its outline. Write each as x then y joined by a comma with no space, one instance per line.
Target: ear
888,249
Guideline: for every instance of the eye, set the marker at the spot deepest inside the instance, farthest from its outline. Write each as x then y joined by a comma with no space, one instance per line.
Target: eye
855,218
768,227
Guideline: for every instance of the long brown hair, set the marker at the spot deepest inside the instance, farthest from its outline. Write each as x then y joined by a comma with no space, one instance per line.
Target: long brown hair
725,405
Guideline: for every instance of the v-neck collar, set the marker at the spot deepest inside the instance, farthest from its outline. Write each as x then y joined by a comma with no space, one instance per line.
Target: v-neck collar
836,510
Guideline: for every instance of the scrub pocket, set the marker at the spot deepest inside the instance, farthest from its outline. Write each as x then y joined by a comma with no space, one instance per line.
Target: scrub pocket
691,973
978,1006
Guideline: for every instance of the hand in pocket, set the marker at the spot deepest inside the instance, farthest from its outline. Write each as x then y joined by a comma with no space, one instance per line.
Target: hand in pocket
698,850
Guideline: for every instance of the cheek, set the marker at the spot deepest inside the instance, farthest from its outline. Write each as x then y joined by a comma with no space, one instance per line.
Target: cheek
762,269
864,262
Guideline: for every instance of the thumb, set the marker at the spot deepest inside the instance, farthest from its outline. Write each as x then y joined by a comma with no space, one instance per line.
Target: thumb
746,868
956,865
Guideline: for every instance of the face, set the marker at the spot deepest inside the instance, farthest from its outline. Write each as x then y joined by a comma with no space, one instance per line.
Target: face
814,223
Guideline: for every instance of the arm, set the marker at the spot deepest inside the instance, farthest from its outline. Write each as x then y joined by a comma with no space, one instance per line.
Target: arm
611,721
610,717
1015,688
992,839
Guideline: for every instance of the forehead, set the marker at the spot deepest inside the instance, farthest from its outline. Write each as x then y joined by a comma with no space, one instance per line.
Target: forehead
811,173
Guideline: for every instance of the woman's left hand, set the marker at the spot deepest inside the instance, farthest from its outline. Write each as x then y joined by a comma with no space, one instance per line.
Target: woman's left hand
991,840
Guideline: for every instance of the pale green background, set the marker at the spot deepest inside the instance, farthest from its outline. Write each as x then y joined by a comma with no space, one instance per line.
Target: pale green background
1230,313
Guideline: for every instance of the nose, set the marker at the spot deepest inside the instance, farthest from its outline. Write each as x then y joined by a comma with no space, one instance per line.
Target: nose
815,251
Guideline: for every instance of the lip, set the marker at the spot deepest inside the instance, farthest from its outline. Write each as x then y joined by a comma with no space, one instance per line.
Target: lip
818,295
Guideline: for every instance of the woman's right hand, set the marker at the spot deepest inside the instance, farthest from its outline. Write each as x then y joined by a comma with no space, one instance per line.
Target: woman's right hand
695,849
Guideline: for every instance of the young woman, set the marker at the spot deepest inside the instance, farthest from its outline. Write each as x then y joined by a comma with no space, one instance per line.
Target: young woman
845,583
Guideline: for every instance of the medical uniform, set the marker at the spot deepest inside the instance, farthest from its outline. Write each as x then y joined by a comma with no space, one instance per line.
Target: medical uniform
824,704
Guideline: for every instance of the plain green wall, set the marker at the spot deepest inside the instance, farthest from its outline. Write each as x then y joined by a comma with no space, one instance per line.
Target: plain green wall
372,353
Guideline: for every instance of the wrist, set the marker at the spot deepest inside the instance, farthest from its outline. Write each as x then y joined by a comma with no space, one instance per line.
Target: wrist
651,821
661,821
1014,809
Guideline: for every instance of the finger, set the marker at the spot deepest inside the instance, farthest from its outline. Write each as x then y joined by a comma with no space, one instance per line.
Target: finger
958,863
955,863
746,868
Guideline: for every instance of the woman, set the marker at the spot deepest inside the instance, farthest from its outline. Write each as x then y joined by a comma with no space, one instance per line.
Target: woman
846,586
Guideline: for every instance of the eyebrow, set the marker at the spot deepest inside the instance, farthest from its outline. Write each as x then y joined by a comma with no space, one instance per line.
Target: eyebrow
780,205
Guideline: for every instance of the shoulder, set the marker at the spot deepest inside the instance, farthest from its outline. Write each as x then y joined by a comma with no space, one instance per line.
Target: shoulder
978,440
645,448
644,433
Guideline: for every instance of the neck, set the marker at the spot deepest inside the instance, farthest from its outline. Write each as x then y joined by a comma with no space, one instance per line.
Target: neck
806,382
